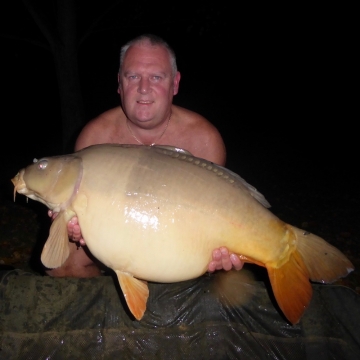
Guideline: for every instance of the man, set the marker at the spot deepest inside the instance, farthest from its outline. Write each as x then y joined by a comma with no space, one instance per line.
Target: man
148,79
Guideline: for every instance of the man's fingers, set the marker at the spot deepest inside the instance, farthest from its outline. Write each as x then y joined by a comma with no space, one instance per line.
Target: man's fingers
212,266
52,214
236,262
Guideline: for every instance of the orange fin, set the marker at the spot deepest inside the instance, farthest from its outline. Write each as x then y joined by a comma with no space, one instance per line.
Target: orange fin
324,262
291,286
248,259
56,248
136,293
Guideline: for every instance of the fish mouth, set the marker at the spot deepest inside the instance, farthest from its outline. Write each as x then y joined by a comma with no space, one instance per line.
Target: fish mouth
19,183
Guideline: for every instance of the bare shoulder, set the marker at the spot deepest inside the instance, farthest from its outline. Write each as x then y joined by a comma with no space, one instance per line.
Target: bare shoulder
101,129
190,120
199,135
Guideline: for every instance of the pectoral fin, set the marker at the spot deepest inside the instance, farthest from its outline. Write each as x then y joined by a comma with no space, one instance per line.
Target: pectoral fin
136,293
56,248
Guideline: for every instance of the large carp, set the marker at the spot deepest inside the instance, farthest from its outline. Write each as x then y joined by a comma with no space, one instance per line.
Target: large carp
155,214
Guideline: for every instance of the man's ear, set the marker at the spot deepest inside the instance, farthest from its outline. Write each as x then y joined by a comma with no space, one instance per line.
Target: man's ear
118,88
176,82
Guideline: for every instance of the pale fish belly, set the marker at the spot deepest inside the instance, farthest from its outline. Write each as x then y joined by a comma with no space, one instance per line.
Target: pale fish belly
137,226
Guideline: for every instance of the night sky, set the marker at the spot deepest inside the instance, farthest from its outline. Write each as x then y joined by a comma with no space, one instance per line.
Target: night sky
278,83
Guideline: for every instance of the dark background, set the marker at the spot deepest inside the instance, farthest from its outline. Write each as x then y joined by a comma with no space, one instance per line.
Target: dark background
278,82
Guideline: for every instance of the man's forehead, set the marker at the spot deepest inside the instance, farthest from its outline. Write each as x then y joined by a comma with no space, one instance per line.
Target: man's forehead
152,58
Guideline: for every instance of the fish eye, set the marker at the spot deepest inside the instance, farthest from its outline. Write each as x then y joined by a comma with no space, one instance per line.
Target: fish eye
42,164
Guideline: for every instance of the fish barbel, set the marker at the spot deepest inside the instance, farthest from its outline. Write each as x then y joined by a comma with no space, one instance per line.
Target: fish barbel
151,213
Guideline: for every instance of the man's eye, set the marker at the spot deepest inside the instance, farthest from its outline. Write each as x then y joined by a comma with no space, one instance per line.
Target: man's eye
132,77
156,78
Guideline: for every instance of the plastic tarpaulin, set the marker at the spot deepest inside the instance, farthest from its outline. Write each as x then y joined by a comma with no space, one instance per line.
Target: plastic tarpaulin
217,316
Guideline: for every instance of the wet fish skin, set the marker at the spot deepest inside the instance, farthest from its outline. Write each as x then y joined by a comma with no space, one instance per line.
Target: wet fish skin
156,214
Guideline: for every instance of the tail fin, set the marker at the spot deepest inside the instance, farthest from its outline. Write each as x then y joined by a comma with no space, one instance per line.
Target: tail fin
291,287
324,262
313,259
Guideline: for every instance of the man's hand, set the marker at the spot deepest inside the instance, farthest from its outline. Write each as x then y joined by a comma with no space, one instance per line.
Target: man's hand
74,231
221,259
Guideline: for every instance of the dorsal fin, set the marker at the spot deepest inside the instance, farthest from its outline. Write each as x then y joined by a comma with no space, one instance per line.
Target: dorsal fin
173,148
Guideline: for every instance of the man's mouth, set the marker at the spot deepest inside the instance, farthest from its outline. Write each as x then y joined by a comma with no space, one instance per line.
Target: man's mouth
145,102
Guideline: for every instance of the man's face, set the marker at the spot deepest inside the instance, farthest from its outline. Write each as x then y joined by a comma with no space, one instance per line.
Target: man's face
146,84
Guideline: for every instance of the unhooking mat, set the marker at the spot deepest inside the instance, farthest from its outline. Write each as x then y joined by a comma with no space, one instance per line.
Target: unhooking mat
217,316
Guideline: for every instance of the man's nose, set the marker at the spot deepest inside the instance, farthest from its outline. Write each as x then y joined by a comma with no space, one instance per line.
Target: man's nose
144,86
